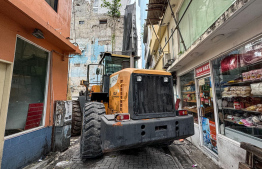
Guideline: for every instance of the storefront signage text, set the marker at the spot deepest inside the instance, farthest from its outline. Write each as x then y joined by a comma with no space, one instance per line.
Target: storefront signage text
203,70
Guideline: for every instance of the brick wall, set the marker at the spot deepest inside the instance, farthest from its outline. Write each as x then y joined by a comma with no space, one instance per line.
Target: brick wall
21,150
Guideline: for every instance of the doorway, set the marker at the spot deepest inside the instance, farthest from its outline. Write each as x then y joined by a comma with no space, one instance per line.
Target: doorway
207,114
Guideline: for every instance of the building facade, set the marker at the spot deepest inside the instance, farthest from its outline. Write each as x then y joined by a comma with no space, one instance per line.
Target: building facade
33,74
94,31
216,56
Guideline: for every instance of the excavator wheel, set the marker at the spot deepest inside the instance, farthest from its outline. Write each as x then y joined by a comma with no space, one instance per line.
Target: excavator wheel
76,118
90,144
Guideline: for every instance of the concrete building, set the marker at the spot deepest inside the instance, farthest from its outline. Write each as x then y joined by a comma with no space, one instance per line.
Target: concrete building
141,28
33,74
94,32
217,50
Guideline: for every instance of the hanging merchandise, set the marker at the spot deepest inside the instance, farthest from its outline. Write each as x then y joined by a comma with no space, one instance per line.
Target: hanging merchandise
229,63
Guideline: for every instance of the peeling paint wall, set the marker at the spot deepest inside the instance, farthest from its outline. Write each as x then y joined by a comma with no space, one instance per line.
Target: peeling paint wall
92,37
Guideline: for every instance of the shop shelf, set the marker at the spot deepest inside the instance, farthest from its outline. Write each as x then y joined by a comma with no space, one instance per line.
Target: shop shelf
193,101
231,108
242,83
189,92
232,121
191,110
189,84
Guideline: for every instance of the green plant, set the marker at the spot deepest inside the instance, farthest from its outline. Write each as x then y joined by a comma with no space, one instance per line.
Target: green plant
180,53
113,7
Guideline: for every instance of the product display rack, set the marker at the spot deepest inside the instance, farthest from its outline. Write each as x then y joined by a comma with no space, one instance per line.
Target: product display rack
254,129
188,94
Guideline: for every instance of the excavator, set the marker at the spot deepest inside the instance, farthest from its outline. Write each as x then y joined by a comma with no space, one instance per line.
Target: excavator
125,108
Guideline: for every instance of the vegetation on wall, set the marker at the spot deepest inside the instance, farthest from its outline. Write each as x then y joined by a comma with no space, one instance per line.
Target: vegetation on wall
113,7
114,12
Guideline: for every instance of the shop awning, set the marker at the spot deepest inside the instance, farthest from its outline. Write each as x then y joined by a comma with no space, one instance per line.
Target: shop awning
21,14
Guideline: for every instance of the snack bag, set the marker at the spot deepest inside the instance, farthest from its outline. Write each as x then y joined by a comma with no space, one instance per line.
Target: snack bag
259,74
244,76
253,74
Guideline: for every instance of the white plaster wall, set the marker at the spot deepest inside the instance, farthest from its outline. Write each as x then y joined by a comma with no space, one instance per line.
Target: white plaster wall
173,44
195,139
229,153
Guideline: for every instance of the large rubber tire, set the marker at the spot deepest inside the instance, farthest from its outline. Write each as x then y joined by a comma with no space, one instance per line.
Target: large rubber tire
90,144
76,118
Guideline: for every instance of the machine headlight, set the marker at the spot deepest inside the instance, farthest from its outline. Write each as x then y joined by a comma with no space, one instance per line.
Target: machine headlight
139,78
165,79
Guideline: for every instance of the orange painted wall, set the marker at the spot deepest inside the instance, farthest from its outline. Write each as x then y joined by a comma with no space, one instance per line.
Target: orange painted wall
8,34
59,20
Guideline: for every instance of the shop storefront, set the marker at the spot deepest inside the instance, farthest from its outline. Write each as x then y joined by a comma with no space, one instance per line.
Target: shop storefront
224,95
197,99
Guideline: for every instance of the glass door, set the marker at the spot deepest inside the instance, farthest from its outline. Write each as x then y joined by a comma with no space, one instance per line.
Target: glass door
207,114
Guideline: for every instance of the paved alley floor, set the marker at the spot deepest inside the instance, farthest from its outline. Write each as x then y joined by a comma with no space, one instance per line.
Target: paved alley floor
174,157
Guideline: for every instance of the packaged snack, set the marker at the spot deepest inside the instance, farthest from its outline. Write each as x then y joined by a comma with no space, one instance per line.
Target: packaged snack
226,88
249,58
256,88
251,108
244,88
244,76
238,92
255,119
259,105
245,122
259,74
248,75
229,117
232,88
253,74
237,105
245,92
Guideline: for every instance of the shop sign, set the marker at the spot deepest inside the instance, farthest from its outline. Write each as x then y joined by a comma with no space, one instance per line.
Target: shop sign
203,70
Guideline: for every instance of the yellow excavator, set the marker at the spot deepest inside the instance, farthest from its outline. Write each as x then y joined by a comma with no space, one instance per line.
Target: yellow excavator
128,107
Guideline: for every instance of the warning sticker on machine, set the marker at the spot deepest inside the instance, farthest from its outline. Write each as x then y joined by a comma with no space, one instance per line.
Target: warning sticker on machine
113,80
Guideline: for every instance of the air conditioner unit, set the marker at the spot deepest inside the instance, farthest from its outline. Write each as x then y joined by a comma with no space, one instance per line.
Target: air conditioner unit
167,61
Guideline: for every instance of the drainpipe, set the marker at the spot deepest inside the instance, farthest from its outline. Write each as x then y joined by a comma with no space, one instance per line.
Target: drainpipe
132,45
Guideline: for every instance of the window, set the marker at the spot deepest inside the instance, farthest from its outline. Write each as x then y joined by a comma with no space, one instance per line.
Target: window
238,79
28,88
199,17
77,64
104,21
95,6
53,4
81,22
188,94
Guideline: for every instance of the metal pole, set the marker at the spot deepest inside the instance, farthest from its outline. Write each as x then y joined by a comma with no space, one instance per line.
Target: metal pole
132,45
178,23
182,40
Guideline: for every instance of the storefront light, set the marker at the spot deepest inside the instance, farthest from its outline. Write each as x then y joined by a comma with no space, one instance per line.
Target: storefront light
165,79
139,78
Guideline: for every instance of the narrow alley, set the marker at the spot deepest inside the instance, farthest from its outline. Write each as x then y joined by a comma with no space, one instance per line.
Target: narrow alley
179,155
